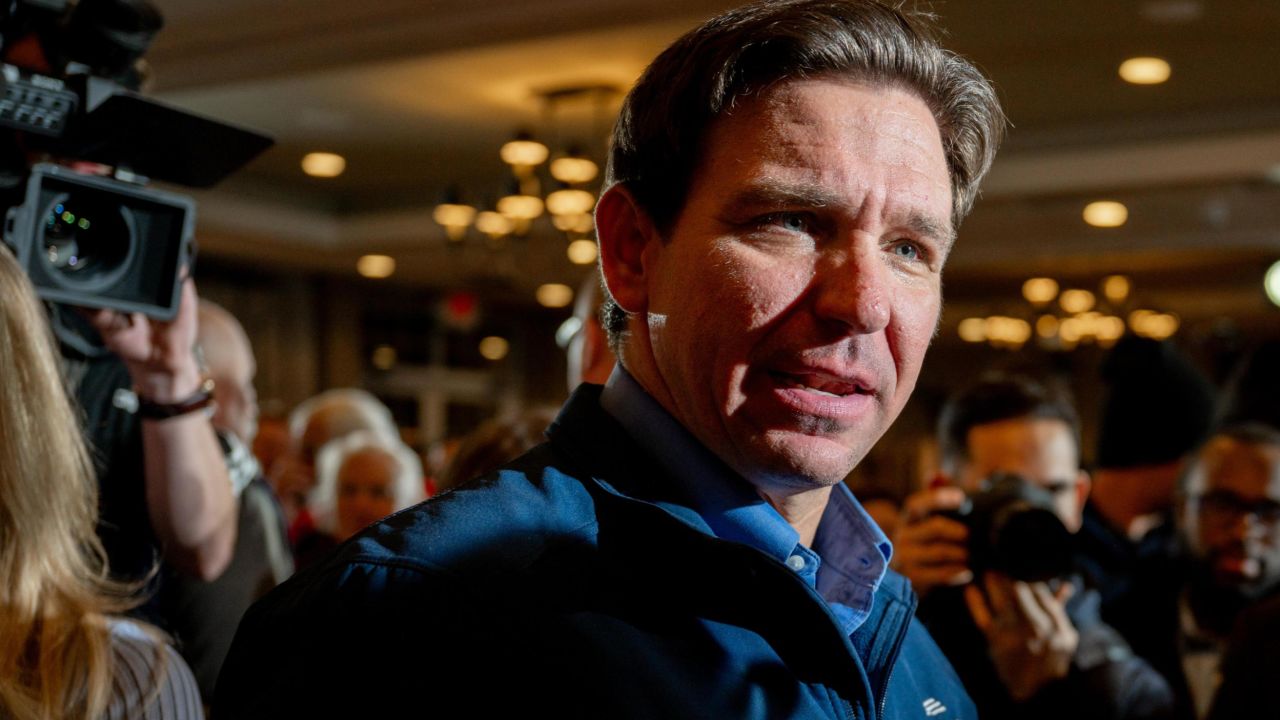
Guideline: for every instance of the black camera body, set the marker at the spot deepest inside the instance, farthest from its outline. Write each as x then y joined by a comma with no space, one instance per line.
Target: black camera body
1014,530
87,239
93,241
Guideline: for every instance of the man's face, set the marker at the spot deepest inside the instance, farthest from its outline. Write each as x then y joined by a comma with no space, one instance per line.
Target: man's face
1232,514
790,309
1040,450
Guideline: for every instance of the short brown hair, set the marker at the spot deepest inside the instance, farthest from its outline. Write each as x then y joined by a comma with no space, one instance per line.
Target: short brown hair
657,139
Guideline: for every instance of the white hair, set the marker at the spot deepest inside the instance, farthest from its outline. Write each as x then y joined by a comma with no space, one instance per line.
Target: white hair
359,405
407,486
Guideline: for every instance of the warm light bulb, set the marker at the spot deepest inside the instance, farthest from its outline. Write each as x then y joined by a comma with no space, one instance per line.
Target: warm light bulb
384,357
1106,214
520,207
1047,326
454,218
582,252
524,151
1116,288
1039,290
554,295
1272,283
1145,70
323,164
570,202
493,224
1076,301
494,348
973,330
574,170
376,266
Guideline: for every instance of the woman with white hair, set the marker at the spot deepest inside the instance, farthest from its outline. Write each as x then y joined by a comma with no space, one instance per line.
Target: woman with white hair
361,478
65,649
317,421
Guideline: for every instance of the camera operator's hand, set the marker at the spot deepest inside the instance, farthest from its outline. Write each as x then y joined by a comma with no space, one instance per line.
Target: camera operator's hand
160,355
1029,637
929,549
189,495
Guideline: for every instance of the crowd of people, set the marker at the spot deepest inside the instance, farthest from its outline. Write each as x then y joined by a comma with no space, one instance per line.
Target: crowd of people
784,186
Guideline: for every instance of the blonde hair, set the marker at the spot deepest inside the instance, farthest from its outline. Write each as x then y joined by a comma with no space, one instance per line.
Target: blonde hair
55,595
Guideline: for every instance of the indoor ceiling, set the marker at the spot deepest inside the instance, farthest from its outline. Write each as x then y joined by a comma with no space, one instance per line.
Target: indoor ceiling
418,95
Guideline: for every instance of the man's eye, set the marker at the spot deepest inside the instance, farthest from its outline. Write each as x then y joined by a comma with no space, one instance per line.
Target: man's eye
789,221
907,250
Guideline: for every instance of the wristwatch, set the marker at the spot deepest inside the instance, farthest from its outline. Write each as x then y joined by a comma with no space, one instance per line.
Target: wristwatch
199,400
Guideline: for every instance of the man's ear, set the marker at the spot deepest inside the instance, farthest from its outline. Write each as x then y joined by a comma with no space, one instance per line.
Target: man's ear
625,233
1083,485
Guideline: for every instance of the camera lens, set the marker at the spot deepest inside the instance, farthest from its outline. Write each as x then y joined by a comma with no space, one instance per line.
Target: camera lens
87,243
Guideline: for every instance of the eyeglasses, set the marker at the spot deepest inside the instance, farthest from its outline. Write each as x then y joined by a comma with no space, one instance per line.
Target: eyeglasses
1223,507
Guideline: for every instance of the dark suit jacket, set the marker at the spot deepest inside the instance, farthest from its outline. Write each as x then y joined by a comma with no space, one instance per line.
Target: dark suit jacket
571,583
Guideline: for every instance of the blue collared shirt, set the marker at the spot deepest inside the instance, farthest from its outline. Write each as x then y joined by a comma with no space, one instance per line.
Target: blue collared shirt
850,552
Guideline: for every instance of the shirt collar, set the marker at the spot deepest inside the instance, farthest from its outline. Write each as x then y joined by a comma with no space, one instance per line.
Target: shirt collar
850,552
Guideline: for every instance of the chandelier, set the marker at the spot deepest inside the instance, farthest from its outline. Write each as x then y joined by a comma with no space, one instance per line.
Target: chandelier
1063,319
558,184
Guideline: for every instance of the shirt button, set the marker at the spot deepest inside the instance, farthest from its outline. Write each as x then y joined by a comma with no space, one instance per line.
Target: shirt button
795,562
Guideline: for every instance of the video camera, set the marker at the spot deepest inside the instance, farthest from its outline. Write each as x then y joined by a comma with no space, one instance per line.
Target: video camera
68,93
1013,529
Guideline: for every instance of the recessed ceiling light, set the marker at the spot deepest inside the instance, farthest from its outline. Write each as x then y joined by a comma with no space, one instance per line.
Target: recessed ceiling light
1040,290
323,164
1106,214
1076,301
1272,283
494,348
582,252
554,295
1116,288
1145,70
376,266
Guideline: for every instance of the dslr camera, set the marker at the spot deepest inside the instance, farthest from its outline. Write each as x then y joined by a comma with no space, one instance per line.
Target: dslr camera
1013,529
69,72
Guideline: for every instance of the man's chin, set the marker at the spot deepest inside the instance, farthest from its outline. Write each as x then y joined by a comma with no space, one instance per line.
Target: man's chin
799,461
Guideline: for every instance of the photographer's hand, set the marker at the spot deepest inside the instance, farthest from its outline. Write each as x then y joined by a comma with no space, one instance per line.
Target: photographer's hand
929,549
189,495
1030,639
160,355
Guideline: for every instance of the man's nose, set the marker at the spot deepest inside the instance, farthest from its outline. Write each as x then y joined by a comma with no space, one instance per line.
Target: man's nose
855,287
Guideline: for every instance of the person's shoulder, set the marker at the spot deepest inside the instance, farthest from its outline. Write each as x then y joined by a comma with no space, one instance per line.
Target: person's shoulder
488,530
151,680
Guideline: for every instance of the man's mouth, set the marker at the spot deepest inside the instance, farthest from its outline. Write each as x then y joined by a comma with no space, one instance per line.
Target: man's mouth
820,384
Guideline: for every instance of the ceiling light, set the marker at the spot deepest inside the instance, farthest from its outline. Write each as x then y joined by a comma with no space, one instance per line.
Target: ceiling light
493,224
1106,214
582,252
1272,283
554,295
1076,301
570,202
376,266
523,152
1145,70
384,357
1110,328
574,168
323,164
455,218
520,207
1047,326
973,330
1039,291
494,348
1116,288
